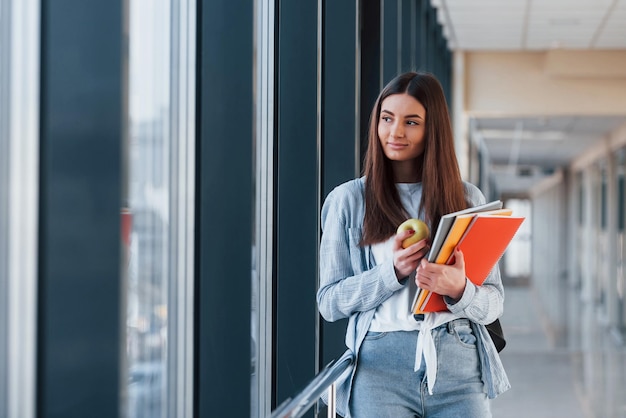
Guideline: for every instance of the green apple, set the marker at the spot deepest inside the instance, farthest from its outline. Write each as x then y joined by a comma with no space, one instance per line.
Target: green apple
419,228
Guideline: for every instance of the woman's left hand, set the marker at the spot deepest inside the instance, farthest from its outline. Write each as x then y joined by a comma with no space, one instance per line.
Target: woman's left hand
444,279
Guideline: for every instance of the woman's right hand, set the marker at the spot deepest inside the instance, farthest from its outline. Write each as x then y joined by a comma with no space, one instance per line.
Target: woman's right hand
406,260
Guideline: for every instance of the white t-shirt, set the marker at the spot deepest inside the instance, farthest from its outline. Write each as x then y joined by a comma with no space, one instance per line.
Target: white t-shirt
395,314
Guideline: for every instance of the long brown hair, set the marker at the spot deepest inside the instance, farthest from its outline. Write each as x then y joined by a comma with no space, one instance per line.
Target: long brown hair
442,186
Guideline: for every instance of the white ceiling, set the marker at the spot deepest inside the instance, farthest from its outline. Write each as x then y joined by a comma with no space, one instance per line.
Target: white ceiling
535,146
533,24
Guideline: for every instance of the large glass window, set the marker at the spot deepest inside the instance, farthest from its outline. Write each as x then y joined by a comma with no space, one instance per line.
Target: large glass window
157,217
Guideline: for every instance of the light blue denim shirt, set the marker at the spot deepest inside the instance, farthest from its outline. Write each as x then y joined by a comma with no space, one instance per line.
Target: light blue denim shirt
351,286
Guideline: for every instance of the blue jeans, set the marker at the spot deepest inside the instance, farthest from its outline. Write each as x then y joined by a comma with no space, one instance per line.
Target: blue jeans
385,384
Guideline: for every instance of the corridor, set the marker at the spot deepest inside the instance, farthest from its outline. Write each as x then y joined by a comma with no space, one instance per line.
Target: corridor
555,377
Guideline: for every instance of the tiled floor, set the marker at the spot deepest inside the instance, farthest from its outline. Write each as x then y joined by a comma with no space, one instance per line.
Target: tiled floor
584,377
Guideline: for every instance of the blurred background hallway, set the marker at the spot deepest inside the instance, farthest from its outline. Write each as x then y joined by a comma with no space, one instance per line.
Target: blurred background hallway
545,379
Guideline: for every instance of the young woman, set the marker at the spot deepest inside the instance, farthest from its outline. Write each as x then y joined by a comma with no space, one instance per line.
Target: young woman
442,364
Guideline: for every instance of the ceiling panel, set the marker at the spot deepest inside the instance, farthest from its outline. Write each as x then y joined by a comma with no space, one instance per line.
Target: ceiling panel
523,150
479,24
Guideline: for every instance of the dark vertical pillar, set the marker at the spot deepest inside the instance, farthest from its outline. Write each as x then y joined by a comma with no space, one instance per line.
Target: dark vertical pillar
430,46
78,353
389,40
370,64
225,207
429,40
340,118
433,44
446,74
440,51
297,197
422,34
406,37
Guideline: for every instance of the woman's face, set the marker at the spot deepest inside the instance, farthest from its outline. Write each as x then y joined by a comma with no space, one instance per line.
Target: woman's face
401,126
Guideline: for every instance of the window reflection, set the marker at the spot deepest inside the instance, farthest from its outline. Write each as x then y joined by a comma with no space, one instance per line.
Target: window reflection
146,221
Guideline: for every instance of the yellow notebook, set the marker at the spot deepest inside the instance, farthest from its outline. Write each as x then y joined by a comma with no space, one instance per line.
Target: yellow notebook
456,232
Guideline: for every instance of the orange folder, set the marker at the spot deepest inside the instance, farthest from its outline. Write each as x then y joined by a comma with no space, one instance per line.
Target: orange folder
484,241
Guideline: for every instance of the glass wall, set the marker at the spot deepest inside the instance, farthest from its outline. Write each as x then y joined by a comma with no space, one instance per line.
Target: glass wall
157,216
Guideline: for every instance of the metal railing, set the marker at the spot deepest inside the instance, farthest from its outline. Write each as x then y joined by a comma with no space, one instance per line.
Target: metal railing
324,380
